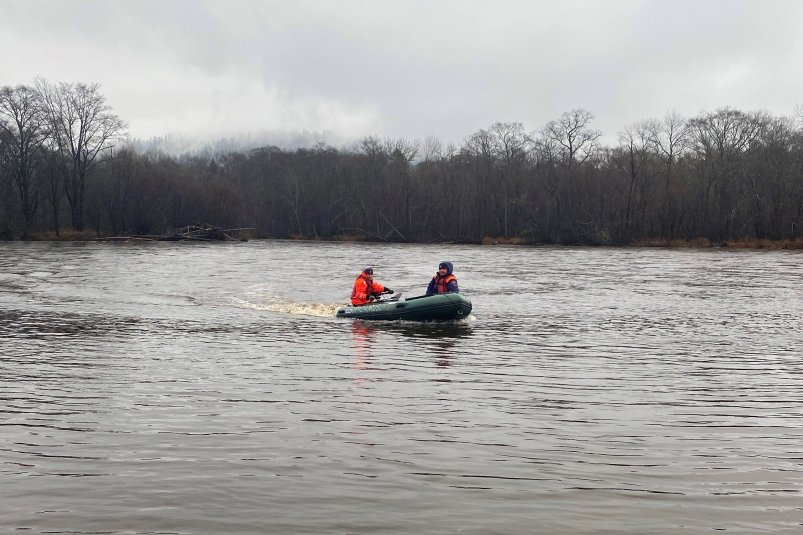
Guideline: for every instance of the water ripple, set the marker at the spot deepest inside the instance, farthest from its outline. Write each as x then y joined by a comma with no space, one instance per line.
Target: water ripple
591,391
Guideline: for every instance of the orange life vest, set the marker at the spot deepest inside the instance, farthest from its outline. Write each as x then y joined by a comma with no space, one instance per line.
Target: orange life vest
362,289
441,283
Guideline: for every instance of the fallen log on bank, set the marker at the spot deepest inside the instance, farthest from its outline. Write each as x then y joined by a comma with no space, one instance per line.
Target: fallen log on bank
192,233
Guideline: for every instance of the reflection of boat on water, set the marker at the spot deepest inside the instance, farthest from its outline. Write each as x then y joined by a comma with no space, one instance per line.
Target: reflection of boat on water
421,330
439,339
442,307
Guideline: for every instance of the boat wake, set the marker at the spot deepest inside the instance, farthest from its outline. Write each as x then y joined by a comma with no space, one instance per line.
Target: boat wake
321,310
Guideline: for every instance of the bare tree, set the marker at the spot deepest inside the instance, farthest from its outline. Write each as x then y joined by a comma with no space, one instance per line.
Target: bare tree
479,149
24,129
572,137
670,137
405,147
82,126
511,144
635,140
721,139
773,172
433,149
574,134
726,132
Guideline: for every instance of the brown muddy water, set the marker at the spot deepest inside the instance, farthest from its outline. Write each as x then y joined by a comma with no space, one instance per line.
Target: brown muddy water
208,389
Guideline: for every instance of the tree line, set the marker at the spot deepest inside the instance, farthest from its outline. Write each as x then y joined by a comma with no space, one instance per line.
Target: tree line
723,175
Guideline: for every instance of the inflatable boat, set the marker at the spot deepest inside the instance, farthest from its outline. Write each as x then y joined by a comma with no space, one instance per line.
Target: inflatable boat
442,307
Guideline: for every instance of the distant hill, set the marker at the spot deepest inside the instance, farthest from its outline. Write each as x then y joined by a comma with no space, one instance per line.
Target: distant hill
177,144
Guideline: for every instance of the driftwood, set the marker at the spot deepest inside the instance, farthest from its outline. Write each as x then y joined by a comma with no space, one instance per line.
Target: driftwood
192,233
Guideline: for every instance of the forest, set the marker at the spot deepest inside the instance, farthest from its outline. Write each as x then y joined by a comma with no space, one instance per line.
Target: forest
68,170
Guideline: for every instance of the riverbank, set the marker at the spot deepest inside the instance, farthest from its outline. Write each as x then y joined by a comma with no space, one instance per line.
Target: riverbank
796,244
190,232
728,244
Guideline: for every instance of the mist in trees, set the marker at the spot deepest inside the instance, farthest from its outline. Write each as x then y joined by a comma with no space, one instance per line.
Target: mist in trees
722,175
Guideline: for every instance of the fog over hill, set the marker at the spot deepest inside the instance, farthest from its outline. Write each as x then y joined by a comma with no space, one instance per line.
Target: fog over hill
178,144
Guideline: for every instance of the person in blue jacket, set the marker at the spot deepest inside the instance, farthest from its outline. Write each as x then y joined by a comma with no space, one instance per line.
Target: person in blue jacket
444,281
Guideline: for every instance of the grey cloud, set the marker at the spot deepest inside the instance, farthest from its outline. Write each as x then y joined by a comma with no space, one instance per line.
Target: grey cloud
412,69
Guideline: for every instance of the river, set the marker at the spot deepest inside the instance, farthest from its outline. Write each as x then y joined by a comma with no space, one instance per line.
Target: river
186,388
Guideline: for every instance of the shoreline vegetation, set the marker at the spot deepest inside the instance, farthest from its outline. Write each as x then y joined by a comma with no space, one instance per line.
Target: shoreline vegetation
723,178
208,233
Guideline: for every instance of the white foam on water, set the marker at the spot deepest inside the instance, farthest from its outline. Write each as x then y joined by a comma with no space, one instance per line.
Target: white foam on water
321,310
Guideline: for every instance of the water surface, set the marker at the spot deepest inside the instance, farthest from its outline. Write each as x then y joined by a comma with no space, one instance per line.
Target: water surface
207,388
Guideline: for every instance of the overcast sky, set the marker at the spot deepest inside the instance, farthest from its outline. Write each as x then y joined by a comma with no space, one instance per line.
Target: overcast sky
407,68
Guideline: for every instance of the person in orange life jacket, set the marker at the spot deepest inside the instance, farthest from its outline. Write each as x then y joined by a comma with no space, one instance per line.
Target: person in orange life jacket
444,282
366,289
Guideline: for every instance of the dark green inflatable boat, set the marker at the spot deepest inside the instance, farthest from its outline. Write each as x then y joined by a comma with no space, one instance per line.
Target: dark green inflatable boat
441,307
